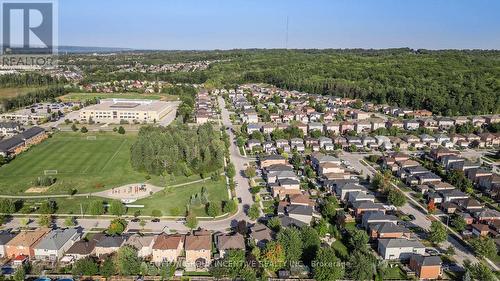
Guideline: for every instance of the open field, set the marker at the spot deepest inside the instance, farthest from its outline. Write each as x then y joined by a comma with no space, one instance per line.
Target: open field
14,92
74,97
86,165
172,201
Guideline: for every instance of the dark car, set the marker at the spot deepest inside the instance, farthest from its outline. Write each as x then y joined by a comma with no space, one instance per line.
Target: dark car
239,200
412,217
155,220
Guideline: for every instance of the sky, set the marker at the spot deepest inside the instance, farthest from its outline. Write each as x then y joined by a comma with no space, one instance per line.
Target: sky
230,24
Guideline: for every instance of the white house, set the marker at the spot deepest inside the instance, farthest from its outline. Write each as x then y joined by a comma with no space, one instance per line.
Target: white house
53,246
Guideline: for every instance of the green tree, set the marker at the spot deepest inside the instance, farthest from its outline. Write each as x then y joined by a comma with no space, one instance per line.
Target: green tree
86,267
117,226
121,130
437,233
254,211
230,206
250,172
191,221
274,224
20,274
326,266
240,141
48,207
74,128
230,170
128,263
273,256
84,129
108,267
479,271
321,227
156,213
213,209
396,197
458,222
310,243
358,240
117,208
361,266
291,240
69,221
45,220
96,208
7,206
236,261
484,247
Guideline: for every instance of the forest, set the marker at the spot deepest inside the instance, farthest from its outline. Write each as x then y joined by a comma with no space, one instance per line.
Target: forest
178,149
448,82
41,95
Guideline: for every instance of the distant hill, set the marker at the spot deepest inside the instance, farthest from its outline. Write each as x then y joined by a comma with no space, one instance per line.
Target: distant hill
81,49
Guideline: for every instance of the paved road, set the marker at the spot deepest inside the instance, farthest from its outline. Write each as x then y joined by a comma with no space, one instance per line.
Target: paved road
411,207
242,191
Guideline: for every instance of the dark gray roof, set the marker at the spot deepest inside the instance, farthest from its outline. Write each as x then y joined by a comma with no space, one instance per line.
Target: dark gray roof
288,221
5,237
56,239
300,210
388,227
427,260
31,132
111,242
9,125
8,144
400,243
85,247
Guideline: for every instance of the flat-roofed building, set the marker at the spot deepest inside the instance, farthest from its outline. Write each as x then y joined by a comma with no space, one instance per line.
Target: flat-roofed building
116,110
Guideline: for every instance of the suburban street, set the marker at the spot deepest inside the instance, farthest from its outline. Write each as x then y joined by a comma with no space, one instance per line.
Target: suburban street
421,218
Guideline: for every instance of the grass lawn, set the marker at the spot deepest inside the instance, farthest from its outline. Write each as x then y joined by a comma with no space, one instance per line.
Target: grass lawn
173,200
14,92
70,205
130,95
340,249
394,273
87,165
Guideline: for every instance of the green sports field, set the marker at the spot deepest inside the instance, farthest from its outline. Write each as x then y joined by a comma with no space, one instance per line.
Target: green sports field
87,165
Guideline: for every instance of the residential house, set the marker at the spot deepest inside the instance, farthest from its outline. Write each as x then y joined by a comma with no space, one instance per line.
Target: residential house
301,213
142,243
269,160
366,206
260,234
387,230
399,248
481,230
426,267
5,237
53,246
167,248
411,125
23,244
225,242
9,129
108,245
198,248
84,247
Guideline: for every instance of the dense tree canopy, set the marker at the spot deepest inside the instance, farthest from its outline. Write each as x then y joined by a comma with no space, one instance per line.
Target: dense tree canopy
178,149
445,82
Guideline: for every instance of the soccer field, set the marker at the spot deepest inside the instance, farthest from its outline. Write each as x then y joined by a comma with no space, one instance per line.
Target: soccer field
81,163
